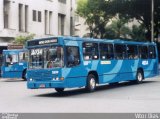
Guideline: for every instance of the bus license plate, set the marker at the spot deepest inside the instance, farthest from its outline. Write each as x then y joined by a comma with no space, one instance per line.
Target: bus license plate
42,86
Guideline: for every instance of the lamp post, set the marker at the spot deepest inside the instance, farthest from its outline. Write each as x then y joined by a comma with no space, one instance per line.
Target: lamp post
152,22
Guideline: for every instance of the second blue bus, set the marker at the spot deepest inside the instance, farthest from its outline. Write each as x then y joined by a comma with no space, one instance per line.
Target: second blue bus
14,63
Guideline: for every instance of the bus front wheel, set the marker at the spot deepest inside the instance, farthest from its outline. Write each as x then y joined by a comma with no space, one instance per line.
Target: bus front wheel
91,83
59,90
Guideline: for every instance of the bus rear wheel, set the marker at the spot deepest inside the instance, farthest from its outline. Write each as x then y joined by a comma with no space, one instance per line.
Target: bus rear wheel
139,77
59,90
91,83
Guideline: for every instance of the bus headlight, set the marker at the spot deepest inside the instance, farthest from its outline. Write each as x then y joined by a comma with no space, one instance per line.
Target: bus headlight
31,79
58,79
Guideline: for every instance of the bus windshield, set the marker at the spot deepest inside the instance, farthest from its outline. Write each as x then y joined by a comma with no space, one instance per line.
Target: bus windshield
46,58
11,59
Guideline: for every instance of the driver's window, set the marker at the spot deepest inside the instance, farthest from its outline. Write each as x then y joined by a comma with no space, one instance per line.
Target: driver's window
73,56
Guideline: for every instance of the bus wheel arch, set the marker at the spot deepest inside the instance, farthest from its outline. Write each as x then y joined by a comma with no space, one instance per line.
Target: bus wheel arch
92,80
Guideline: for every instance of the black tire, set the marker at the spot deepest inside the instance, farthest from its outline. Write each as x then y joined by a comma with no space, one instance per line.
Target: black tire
114,84
24,75
91,83
59,90
139,77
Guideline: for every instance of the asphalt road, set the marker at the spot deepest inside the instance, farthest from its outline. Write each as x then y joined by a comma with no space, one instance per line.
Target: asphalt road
125,97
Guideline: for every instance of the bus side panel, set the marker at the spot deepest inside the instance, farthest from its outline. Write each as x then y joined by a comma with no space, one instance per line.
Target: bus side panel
12,75
128,70
150,67
14,71
108,71
75,76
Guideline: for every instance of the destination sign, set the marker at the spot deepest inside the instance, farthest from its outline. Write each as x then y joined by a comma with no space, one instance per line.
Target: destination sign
14,46
42,42
48,41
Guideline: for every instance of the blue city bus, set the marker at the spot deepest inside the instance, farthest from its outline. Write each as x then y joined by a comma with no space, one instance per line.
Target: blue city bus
68,62
14,63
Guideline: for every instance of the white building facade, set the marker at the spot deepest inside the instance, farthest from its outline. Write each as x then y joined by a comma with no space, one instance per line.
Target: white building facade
40,17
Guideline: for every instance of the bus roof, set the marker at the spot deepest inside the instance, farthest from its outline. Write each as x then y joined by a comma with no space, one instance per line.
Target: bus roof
118,41
14,50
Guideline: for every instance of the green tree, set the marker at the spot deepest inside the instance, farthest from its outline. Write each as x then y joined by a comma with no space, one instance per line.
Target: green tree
22,39
119,28
96,16
98,12
140,10
138,33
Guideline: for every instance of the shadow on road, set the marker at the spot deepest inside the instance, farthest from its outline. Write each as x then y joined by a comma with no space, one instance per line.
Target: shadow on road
76,92
12,80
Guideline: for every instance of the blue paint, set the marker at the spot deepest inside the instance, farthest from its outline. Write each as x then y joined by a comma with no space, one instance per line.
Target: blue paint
15,68
108,71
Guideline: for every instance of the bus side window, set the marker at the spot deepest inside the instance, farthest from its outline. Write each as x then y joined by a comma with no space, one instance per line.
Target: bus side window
106,51
26,57
152,52
73,56
22,57
90,51
120,51
143,52
132,51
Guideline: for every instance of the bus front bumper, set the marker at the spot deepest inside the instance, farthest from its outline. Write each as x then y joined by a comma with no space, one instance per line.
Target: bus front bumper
41,85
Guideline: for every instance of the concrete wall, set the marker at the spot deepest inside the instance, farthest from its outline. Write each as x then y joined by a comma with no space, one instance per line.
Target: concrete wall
35,27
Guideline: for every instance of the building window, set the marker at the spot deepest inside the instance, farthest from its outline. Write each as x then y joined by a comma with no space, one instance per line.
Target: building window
39,16
62,1
23,17
71,26
50,22
6,14
61,21
20,17
34,15
26,18
46,21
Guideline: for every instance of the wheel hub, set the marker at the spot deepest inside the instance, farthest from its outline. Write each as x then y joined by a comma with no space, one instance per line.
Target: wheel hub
92,83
